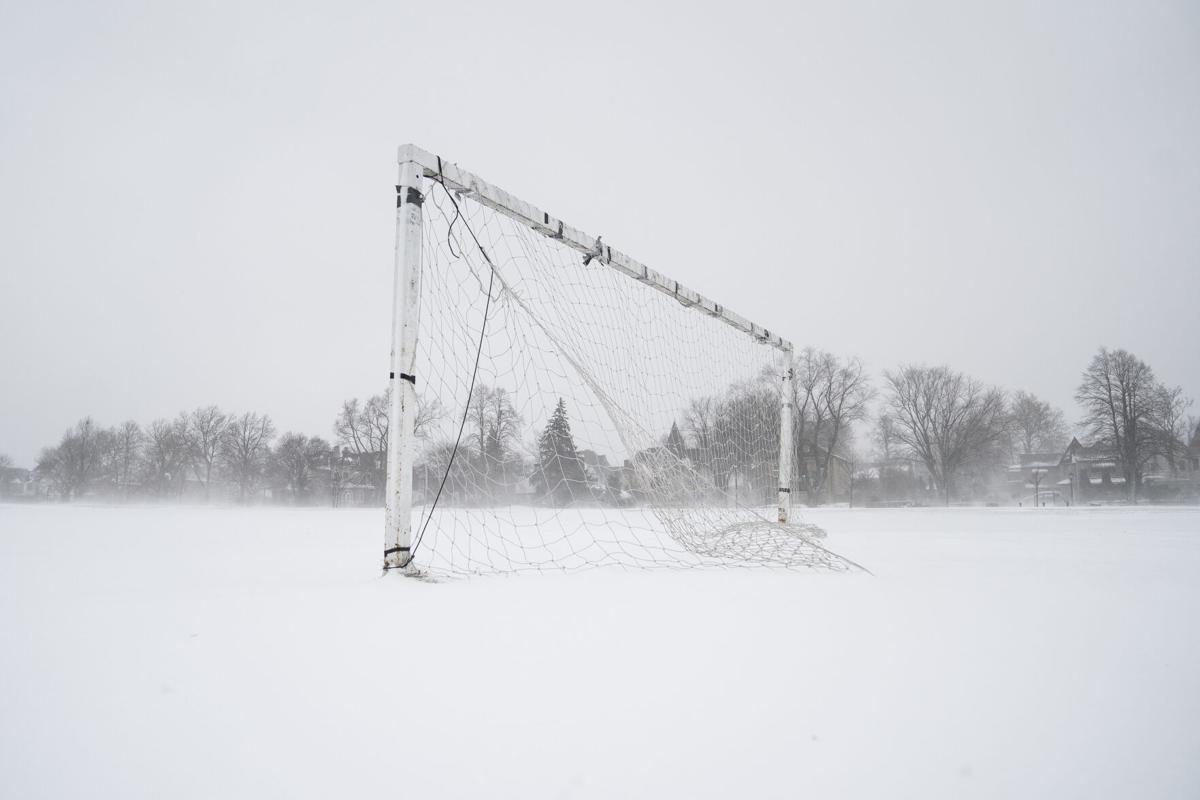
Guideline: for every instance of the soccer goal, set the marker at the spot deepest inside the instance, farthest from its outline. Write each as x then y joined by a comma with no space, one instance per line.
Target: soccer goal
557,405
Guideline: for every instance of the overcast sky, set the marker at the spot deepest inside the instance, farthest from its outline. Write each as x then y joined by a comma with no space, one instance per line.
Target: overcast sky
196,200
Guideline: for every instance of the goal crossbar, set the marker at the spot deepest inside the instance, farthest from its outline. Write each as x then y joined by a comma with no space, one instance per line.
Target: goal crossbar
468,184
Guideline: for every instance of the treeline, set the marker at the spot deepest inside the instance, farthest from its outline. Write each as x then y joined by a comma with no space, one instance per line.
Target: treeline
959,433
210,455
964,431
933,434
199,452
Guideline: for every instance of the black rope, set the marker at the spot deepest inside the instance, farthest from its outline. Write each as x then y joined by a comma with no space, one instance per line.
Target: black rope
474,371
457,215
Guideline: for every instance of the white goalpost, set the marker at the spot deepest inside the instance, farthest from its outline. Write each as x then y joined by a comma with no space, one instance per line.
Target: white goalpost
557,405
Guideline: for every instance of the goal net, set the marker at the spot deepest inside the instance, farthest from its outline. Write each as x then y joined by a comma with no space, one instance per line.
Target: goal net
559,406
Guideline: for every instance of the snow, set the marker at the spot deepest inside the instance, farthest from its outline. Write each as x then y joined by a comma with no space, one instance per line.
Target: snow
167,652
523,538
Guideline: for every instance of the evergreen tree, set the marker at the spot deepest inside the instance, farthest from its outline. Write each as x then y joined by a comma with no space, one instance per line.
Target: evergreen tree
560,476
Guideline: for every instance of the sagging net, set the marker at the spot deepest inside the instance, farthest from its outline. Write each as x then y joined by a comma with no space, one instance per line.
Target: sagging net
572,417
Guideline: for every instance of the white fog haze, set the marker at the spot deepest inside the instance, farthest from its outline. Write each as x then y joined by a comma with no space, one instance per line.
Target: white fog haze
197,201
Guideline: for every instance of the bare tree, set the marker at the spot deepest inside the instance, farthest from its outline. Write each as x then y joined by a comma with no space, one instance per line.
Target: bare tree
166,455
808,410
829,395
297,463
1037,426
496,426
887,446
442,463
700,424
698,421
1173,423
1120,398
745,428
205,429
5,465
844,393
76,461
245,449
430,413
125,455
477,415
884,437
362,429
946,419
503,434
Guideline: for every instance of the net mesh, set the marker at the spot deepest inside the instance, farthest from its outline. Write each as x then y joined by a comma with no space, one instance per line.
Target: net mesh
602,422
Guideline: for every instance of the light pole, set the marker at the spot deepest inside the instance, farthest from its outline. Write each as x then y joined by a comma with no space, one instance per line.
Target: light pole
1037,486
851,501
1074,476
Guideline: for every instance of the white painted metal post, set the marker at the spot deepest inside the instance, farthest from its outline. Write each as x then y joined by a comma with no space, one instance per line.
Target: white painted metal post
785,440
397,540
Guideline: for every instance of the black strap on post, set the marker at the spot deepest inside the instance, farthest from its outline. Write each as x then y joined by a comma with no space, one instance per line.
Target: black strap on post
412,195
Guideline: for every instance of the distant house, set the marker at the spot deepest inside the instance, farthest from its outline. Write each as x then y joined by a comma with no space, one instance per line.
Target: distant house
689,474
355,478
1174,477
603,478
1041,478
675,472
1095,473
16,483
25,484
895,481
660,473
807,476
1092,473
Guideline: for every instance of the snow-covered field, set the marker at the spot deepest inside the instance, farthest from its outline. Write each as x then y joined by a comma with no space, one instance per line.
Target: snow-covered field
217,653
